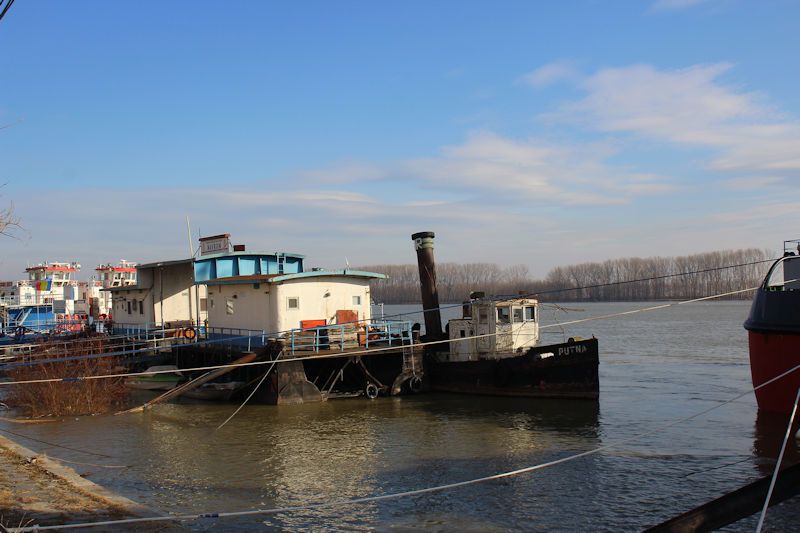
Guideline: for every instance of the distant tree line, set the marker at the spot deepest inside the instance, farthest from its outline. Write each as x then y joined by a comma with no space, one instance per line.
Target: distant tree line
606,281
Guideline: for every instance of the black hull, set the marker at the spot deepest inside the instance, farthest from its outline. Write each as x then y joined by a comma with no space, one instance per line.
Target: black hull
571,372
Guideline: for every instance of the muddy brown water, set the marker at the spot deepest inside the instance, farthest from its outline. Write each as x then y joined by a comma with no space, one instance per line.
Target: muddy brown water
655,368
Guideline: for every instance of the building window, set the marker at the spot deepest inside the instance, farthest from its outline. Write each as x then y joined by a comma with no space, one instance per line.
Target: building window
141,307
135,306
356,300
530,314
228,306
483,316
129,307
293,302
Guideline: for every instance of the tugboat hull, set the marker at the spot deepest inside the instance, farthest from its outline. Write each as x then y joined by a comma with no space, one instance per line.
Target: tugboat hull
773,327
566,370
772,354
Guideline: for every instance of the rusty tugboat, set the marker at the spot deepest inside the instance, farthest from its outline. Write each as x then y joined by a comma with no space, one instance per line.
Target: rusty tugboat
493,348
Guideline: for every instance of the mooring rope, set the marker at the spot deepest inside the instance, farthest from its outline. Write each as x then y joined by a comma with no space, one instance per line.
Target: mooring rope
778,464
423,311
408,493
34,439
376,351
249,395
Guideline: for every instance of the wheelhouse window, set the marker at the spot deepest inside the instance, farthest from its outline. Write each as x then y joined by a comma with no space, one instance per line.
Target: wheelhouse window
517,314
503,315
530,313
356,300
293,302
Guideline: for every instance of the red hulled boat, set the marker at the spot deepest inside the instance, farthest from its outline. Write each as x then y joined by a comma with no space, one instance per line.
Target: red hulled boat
773,328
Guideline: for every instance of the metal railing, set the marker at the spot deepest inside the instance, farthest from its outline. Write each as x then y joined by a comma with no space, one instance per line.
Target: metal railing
341,337
239,337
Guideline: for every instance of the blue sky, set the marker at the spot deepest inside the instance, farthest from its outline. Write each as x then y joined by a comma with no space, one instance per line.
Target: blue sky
520,132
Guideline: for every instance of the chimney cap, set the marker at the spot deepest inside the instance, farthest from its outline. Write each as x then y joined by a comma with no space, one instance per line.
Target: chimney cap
422,235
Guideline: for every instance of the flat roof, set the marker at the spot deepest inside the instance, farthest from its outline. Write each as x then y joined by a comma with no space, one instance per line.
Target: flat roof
220,236
228,254
125,288
277,278
157,264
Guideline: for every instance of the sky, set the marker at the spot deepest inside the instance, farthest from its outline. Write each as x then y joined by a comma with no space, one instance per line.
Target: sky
535,133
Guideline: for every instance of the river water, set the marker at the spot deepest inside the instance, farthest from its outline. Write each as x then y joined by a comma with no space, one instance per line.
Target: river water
656,367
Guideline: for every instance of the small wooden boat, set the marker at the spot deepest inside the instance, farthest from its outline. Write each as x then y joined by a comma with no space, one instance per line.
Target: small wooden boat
160,381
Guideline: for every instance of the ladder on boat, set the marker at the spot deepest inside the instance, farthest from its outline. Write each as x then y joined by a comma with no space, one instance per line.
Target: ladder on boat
409,361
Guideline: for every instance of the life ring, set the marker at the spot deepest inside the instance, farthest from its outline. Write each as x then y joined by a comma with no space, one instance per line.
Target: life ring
59,317
415,384
371,391
189,333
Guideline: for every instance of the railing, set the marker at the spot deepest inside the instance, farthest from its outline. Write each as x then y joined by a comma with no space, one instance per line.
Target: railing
342,337
239,337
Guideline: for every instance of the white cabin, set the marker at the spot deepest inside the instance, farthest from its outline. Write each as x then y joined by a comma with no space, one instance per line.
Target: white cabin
278,303
504,328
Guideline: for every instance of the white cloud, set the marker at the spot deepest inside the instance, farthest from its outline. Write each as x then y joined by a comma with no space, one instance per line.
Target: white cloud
747,183
551,73
690,107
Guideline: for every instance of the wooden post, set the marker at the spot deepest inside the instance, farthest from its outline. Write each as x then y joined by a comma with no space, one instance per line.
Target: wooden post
735,505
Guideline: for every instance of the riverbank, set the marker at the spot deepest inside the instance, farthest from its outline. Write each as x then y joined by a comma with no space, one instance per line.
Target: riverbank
36,490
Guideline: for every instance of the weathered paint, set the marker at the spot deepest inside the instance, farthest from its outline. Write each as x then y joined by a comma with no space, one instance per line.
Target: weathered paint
499,337
167,293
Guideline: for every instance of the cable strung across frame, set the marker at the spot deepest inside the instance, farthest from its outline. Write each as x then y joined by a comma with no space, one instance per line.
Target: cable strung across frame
360,352
264,334
407,493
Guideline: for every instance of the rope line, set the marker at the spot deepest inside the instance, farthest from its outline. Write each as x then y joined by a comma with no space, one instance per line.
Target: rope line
366,351
415,492
54,444
778,465
250,395
449,306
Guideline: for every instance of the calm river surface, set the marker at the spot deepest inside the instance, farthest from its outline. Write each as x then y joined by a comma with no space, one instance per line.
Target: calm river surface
655,368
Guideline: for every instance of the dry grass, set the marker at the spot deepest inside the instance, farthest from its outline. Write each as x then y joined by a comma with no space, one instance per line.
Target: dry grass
82,397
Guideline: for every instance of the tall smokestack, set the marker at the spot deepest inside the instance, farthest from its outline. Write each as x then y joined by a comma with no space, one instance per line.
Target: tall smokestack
423,244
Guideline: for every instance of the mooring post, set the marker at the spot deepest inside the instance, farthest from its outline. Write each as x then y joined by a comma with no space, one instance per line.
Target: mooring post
423,244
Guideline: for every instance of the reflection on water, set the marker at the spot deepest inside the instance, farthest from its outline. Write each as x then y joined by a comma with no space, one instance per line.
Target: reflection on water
655,368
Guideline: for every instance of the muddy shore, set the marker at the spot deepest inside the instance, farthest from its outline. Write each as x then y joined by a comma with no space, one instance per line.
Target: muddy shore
37,490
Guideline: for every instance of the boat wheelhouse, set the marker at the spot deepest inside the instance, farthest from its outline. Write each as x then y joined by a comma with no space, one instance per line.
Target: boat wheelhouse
35,304
493,329
123,274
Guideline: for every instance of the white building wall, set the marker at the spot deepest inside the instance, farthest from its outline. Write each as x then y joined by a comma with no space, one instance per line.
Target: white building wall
266,308
239,306
172,296
319,299
119,310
